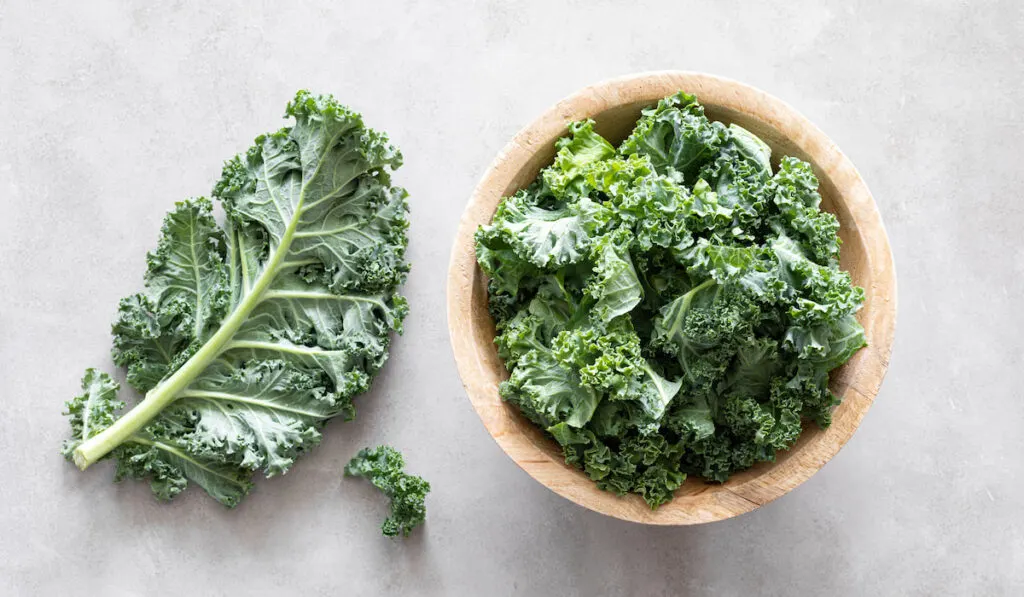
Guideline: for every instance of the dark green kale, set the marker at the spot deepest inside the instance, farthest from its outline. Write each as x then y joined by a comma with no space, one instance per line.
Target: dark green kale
383,467
670,307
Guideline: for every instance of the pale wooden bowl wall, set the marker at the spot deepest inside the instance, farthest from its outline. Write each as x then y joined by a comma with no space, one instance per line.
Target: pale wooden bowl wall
615,106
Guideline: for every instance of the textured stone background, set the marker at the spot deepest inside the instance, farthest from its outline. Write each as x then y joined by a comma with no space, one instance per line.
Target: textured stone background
111,111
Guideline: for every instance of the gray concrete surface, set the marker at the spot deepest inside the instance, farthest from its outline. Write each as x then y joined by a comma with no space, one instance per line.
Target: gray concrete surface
110,111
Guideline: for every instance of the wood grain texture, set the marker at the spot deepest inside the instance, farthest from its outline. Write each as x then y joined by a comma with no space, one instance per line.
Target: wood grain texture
615,106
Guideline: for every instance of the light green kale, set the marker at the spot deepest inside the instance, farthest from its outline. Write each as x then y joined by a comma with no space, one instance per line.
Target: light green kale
672,306
383,466
251,335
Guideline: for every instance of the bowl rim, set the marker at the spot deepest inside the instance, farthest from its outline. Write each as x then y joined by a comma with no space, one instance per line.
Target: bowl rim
863,376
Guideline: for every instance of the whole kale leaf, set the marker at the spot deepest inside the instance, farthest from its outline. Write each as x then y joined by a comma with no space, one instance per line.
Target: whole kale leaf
672,307
251,335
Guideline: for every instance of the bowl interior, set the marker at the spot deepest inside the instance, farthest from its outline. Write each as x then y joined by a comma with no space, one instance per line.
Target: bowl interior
843,193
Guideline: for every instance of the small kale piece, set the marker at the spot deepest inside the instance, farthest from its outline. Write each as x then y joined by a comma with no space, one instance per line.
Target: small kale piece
677,137
383,467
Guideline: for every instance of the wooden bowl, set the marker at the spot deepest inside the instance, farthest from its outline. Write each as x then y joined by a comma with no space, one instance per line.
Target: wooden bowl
615,106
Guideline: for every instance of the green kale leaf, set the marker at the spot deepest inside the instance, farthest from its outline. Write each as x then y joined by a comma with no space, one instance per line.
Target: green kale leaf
677,137
251,335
